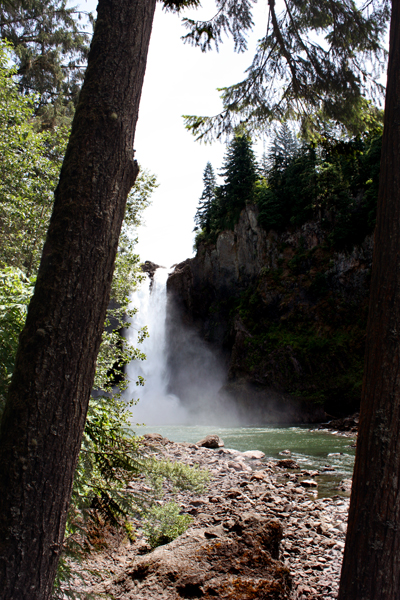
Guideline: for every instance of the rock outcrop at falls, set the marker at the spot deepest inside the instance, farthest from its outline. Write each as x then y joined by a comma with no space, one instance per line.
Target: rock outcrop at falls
286,311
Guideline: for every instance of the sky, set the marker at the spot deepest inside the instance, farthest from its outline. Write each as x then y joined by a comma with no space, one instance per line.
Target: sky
180,80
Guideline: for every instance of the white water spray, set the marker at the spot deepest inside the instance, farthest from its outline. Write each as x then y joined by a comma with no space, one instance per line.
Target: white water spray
156,406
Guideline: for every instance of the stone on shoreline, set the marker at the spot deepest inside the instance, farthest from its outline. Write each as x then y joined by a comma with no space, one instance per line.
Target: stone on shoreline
344,485
307,483
211,441
155,437
288,463
254,454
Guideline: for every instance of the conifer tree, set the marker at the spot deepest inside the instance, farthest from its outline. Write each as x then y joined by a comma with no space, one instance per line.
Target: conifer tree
240,174
294,72
207,199
50,47
264,165
284,147
371,563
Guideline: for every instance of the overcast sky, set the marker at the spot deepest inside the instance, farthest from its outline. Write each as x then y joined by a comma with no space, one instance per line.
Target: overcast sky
180,80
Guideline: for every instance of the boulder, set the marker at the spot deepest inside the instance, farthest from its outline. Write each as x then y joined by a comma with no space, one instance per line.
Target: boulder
344,485
288,463
211,441
258,476
254,454
307,483
346,423
237,561
155,437
238,465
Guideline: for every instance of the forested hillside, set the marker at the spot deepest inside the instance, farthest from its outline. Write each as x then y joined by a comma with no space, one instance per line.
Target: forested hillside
281,277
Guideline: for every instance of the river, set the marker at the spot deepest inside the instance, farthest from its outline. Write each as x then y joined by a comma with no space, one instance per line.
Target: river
313,449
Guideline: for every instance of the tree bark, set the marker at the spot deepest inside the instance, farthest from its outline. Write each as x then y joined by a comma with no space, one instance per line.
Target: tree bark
371,566
44,418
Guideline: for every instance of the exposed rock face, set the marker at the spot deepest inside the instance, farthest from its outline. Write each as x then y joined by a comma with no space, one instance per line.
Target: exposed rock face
150,268
235,562
346,424
285,311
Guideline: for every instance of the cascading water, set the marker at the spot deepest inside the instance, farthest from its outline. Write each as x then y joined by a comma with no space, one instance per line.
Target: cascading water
156,406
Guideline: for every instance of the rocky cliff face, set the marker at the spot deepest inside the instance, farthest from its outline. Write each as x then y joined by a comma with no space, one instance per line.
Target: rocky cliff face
286,311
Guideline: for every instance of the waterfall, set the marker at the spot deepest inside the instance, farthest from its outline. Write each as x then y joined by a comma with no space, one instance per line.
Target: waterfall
193,371
156,406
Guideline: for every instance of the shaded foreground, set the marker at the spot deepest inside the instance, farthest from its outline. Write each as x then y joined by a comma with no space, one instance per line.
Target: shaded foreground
257,533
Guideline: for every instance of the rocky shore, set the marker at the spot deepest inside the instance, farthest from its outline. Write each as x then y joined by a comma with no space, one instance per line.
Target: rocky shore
258,532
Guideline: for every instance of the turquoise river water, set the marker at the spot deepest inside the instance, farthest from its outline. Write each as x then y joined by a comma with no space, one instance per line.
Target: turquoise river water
313,449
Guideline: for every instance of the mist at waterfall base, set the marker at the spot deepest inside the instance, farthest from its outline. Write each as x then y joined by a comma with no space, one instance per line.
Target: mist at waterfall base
201,374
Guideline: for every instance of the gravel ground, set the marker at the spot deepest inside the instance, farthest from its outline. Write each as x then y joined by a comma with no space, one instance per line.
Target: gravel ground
314,529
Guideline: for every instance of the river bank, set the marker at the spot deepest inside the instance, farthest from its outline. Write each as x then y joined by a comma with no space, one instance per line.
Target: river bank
245,495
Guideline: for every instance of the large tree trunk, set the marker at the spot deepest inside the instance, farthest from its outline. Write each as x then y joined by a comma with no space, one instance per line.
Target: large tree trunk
371,566
45,414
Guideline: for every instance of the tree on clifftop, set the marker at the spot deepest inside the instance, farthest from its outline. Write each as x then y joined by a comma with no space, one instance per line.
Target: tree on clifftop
207,199
240,174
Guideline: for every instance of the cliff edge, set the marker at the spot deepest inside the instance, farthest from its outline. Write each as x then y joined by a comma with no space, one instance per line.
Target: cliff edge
286,312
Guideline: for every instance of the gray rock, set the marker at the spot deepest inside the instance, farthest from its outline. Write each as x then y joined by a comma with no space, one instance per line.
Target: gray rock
238,466
344,485
254,454
155,437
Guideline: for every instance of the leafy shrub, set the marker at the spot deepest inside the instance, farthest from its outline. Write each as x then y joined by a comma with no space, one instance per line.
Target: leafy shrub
165,523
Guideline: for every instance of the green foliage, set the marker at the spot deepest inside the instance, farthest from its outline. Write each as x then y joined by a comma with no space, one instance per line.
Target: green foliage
30,163
289,191
284,148
316,63
15,292
180,476
240,173
178,5
50,47
222,208
232,17
335,183
204,211
164,523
